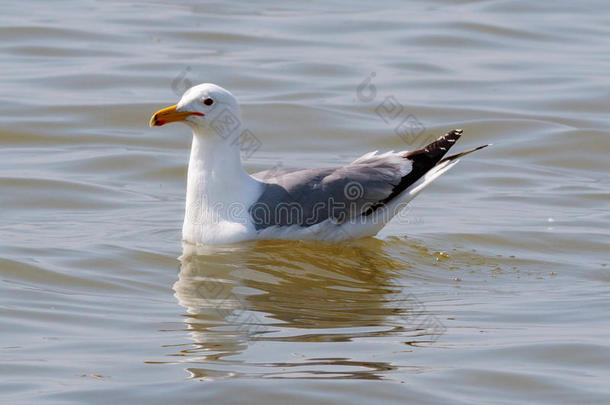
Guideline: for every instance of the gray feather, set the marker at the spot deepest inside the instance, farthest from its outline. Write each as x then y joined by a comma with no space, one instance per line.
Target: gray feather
307,197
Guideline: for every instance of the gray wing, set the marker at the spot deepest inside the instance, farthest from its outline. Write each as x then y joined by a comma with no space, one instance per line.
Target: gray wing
307,197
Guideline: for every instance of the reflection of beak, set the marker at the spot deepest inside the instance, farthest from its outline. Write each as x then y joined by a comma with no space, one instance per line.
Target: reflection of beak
169,114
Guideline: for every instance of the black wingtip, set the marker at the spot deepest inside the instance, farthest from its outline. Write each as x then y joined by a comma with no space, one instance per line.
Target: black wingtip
423,160
459,155
434,152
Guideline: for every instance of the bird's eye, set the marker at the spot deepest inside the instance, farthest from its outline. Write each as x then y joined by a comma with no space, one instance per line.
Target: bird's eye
208,101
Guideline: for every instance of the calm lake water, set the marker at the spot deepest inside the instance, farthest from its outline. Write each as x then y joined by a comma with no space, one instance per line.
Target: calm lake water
492,287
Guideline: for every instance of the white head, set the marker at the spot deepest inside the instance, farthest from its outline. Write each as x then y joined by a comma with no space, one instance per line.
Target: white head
206,108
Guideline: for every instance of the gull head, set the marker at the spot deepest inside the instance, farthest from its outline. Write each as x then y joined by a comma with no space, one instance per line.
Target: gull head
205,107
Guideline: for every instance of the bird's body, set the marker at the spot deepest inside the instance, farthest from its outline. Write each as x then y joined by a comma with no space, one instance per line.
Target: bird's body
224,204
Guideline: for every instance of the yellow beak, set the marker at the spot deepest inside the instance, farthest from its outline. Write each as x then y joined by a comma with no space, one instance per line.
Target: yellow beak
169,114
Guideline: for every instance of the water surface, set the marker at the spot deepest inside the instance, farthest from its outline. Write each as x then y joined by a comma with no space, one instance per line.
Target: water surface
492,287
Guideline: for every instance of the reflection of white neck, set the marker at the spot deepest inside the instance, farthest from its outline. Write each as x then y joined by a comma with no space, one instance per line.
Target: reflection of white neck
219,190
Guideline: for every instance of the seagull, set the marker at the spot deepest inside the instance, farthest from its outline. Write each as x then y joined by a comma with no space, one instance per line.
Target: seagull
225,204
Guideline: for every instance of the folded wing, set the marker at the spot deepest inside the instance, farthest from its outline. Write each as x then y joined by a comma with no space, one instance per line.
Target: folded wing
306,197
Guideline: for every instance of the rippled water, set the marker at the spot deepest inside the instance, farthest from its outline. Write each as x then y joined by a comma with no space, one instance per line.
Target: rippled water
492,287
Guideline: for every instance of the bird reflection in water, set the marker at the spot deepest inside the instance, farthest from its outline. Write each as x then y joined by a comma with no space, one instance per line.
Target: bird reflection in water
251,307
